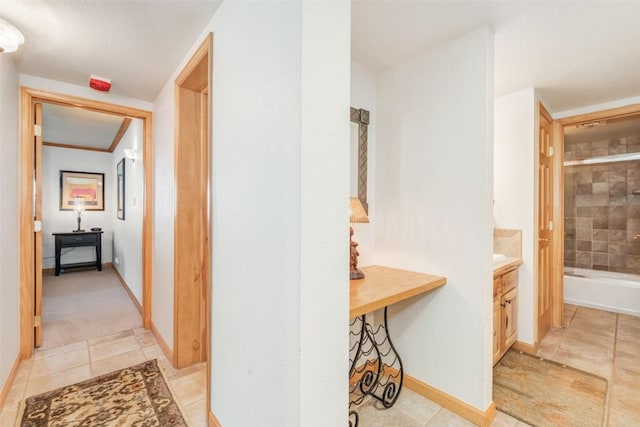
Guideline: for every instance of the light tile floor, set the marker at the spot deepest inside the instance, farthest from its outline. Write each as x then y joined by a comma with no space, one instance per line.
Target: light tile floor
600,342
606,344
595,341
57,367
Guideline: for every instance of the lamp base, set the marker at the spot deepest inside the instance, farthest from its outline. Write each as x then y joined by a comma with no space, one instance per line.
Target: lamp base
356,274
78,231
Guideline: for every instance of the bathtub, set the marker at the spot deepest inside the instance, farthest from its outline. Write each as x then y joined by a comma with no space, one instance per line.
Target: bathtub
606,290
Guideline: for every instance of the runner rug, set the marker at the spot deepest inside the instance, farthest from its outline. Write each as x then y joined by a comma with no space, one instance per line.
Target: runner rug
541,392
135,396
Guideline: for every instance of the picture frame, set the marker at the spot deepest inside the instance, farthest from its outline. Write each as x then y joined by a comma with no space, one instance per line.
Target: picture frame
81,191
120,184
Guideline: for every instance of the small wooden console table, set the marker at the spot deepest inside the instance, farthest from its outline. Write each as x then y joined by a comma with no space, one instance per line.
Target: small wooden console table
375,366
74,240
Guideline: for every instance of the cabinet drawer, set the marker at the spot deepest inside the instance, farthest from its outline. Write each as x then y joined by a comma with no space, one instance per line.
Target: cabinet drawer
509,281
80,239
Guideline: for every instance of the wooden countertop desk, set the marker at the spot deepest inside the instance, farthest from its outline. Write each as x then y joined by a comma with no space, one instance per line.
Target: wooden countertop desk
383,286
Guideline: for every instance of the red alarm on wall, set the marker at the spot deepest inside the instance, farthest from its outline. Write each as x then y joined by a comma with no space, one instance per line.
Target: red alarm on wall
100,83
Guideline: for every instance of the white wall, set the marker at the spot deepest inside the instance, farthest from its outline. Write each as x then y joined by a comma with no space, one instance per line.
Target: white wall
324,192
279,203
127,233
54,220
433,210
363,95
514,186
163,212
9,221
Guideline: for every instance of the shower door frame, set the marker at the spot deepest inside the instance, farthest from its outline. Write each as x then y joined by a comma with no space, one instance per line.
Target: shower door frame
559,126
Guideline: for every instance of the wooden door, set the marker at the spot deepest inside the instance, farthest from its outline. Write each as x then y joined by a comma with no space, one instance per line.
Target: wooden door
497,335
510,318
37,261
544,264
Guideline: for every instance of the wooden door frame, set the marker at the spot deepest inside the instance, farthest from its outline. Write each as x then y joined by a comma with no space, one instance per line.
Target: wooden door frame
558,236
191,78
28,96
194,79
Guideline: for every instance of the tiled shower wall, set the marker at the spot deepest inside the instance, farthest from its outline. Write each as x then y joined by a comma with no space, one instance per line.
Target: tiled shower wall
602,213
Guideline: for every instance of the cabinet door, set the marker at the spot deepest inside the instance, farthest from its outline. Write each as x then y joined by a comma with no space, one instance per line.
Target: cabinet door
497,334
509,280
510,317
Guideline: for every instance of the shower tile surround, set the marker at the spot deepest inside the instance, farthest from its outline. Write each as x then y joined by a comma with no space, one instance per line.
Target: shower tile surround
602,215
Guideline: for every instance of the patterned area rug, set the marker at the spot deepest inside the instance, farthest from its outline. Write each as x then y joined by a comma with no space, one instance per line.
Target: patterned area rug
135,396
545,393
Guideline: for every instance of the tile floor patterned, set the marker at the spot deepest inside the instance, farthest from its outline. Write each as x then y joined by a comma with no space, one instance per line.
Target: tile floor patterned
57,367
97,347
600,342
595,341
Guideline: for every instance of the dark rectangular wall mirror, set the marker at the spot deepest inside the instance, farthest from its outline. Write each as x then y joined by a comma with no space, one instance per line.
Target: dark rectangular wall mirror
360,117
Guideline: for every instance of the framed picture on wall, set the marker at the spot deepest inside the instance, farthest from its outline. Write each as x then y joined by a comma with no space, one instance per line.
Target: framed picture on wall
81,191
120,185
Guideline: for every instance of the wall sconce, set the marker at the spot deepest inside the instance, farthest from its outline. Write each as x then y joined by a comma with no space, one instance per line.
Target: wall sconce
131,154
356,215
10,37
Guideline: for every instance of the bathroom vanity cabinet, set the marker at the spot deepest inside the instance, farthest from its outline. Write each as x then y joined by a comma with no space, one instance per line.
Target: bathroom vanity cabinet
505,310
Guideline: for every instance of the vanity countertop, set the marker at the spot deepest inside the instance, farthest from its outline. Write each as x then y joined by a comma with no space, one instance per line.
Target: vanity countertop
506,265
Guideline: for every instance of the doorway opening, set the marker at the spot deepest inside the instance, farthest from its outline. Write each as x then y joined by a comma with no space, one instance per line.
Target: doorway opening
30,198
601,199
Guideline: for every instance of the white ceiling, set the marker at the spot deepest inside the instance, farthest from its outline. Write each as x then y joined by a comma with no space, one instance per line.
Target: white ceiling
578,53
136,44
78,127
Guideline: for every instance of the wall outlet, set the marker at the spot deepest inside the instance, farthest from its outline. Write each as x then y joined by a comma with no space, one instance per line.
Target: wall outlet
116,260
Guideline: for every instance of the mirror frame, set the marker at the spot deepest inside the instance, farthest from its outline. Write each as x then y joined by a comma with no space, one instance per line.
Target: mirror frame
361,117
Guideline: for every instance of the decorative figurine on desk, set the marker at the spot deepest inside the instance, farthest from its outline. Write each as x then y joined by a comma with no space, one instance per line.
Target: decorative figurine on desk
356,215
79,209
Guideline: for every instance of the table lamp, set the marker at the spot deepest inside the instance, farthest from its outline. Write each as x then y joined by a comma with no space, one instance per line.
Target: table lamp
79,208
356,215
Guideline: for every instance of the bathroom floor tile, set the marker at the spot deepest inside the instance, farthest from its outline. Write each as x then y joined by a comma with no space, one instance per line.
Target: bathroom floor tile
605,344
629,328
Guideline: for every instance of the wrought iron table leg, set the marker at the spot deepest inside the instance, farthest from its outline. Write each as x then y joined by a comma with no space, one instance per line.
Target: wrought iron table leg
378,366
389,382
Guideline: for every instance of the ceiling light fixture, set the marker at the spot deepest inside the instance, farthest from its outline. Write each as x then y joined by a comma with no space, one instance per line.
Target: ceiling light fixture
131,154
10,37
591,124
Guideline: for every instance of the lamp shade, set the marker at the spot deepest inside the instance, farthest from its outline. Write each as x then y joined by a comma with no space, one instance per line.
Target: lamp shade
356,211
